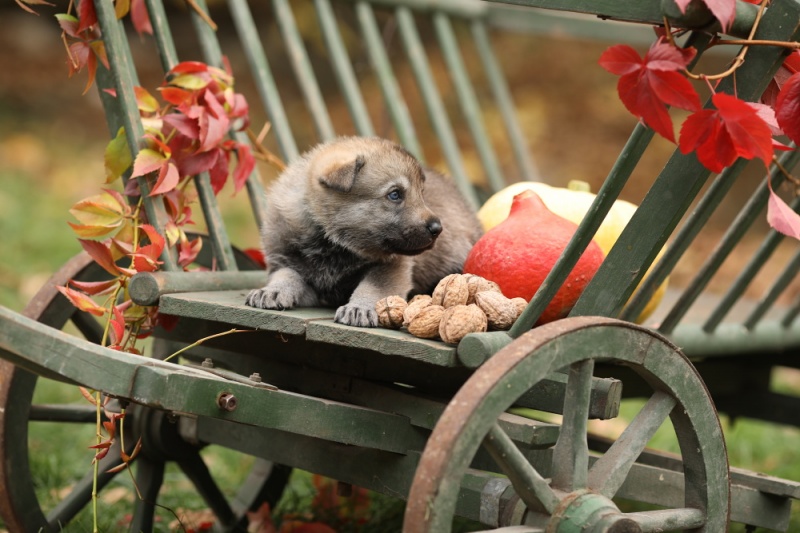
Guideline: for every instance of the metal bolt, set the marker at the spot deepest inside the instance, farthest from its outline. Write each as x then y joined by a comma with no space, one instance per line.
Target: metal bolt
207,363
227,401
255,376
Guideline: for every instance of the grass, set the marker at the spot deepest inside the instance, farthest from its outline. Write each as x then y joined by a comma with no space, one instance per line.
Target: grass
40,178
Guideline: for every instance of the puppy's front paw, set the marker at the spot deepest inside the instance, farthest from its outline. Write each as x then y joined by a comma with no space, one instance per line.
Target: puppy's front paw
270,297
357,315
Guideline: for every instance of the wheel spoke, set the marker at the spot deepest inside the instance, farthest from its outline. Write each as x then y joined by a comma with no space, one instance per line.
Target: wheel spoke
529,484
668,519
149,477
85,414
571,452
610,471
81,494
196,470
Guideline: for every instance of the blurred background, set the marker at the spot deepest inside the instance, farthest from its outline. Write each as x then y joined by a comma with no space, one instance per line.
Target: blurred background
52,139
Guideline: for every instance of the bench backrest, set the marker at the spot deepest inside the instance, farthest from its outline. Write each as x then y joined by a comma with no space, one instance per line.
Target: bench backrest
480,108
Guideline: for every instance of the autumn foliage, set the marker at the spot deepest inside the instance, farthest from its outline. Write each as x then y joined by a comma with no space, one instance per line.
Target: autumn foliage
726,129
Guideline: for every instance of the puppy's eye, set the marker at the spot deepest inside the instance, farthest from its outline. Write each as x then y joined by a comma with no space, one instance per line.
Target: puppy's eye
395,195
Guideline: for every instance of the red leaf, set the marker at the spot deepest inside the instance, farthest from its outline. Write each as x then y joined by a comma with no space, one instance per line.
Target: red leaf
256,255
117,331
101,254
147,161
156,240
86,15
214,124
244,166
723,10
780,216
69,24
140,17
185,125
219,172
176,96
168,179
88,395
647,85
94,288
189,67
733,130
188,250
82,301
787,108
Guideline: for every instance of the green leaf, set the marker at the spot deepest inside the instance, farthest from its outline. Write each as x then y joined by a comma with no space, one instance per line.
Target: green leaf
189,81
145,101
117,156
104,209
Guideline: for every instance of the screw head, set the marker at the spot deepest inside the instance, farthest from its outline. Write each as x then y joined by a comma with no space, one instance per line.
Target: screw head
255,376
227,401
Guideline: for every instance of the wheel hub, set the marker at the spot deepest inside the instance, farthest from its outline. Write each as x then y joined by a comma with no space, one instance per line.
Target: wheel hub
584,511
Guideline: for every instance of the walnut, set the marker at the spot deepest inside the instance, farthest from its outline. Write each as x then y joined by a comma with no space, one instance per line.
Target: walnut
500,311
460,320
476,284
417,304
390,311
452,290
520,304
426,324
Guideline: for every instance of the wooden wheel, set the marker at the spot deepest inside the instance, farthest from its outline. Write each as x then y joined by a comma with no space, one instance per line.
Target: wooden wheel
574,491
20,505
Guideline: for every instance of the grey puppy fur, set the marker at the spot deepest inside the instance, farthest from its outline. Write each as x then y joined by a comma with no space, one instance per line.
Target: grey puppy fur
356,219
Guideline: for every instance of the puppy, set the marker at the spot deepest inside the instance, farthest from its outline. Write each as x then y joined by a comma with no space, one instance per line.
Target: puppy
357,219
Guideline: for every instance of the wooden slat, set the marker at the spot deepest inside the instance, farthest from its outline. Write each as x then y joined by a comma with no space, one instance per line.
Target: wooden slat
385,341
229,307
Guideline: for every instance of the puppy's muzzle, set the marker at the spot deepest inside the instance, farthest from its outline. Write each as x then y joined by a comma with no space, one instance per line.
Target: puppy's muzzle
434,227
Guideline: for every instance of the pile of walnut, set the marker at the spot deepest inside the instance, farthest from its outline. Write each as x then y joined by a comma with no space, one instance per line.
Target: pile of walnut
460,304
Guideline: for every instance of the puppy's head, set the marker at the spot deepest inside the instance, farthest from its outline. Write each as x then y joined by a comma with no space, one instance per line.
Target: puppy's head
367,194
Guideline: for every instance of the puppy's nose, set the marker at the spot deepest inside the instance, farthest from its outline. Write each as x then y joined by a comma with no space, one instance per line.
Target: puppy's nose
435,227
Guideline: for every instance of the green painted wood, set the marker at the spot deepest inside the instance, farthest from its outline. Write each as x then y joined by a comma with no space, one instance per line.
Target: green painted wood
415,50
610,470
264,80
145,288
648,12
124,75
571,452
384,341
749,213
788,274
492,387
745,277
680,243
678,184
172,387
505,105
392,96
467,99
301,64
534,489
606,196
229,307
460,8
343,69
731,339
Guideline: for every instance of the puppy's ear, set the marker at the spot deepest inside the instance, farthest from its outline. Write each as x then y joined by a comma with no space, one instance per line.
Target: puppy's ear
340,175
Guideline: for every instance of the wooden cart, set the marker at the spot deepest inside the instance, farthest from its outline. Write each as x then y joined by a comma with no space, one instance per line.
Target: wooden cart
419,419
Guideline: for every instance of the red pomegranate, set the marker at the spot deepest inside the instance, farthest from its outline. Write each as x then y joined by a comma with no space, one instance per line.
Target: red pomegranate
520,252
